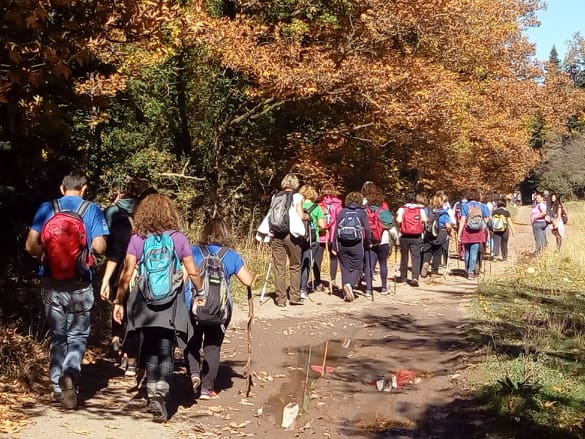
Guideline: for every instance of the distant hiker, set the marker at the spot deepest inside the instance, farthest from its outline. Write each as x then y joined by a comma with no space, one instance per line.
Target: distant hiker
119,219
314,220
558,219
472,232
156,301
451,212
64,234
501,227
412,218
214,252
538,216
287,206
352,237
457,211
437,231
381,240
331,205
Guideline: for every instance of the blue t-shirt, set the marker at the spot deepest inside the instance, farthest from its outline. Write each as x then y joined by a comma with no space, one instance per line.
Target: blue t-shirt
485,211
232,263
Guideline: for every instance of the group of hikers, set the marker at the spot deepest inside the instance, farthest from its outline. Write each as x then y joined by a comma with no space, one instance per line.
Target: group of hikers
167,292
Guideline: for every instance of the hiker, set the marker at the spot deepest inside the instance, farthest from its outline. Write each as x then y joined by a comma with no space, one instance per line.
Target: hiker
472,232
65,233
210,330
437,231
119,219
538,216
314,222
381,248
352,238
457,211
412,218
501,227
453,226
331,205
558,218
287,243
158,314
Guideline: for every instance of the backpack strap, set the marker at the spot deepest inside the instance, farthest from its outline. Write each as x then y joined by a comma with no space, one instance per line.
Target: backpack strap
83,208
204,251
56,207
222,252
312,208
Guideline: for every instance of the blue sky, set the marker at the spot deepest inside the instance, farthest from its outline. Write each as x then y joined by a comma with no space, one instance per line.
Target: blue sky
559,22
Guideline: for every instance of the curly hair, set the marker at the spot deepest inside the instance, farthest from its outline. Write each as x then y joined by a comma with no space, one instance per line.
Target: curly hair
354,197
309,192
375,198
156,213
216,231
289,181
329,189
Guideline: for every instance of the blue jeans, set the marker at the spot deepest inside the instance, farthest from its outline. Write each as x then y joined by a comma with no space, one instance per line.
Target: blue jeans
68,317
539,231
471,255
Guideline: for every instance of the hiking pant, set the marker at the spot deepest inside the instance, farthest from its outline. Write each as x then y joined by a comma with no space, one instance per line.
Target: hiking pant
283,249
157,350
472,255
210,337
501,242
433,252
539,231
68,318
380,253
333,262
309,255
410,244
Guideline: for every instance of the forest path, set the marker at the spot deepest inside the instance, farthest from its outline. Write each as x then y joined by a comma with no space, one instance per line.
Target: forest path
423,329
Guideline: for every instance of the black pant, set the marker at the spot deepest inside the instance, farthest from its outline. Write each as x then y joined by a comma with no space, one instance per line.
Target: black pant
332,265
210,337
410,244
157,350
501,242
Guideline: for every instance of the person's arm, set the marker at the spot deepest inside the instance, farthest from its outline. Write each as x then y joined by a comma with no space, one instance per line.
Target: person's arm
193,274
462,221
245,276
98,244
108,272
33,244
299,208
510,225
121,293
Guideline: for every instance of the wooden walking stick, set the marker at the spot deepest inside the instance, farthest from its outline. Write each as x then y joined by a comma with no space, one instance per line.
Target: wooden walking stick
249,329
323,370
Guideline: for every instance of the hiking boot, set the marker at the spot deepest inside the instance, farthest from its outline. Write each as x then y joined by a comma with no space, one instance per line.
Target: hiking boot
207,394
295,302
195,381
158,407
413,283
319,288
68,392
348,293
425,269
399,280
384,291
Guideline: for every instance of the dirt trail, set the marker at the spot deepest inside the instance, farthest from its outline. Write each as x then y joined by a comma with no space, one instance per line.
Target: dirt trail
415,328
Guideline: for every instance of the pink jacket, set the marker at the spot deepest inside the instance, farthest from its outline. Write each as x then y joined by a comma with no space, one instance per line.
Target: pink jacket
331,206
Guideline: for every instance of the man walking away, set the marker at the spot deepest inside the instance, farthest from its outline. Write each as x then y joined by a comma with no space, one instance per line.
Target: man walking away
64,234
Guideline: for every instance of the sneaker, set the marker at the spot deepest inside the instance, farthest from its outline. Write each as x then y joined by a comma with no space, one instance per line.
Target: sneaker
281,305
207,394
413,283
295,302
158,407
470,276
130,372
319,288
368,293
68,392
195,381
384,291
304,295
348,293
425,269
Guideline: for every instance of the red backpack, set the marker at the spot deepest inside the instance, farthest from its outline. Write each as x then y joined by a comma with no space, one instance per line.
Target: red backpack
411,221
376,227
64,240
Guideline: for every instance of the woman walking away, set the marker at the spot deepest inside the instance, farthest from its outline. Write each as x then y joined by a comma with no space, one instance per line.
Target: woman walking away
412,219
285,245
558,218
331,205
437,231
472,231
353,236
314,220
539,224
501,226
381,250
216,241
156,304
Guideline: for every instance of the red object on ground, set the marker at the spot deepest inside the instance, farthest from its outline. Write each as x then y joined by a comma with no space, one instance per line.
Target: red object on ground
405,377
317,368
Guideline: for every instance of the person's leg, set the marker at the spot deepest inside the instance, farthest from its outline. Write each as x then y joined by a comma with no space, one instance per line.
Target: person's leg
426,255
538,233
369,257
319,250
437,255
211,352
382,252
504,244
474,250
333,264
193,355
57,323
305,267
279,259
467,256
404,249
497,239
415,253
294,249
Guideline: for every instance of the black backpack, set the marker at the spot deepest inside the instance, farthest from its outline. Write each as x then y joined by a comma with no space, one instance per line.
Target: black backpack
278,217
349,229
218,303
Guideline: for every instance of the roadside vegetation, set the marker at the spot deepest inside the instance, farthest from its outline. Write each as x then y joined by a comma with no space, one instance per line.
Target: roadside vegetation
531,321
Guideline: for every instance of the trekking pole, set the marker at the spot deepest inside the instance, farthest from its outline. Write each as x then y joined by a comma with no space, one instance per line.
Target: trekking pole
265,282
248,367
371,273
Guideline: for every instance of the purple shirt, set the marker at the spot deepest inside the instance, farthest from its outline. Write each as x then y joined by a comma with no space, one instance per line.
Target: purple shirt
180,241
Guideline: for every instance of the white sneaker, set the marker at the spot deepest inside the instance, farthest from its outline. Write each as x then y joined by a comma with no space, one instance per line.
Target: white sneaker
348,293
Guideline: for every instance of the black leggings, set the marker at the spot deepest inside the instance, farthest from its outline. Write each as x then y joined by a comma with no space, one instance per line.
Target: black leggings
157,350
210,338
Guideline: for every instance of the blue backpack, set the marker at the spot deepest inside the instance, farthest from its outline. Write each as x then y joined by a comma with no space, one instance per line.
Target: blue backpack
160,277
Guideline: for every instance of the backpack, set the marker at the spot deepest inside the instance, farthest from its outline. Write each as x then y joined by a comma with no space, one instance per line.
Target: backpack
160,278
218,303
432,226
474,221
349,229
411,221
65,243
278,215
376,227
499,222
309,226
